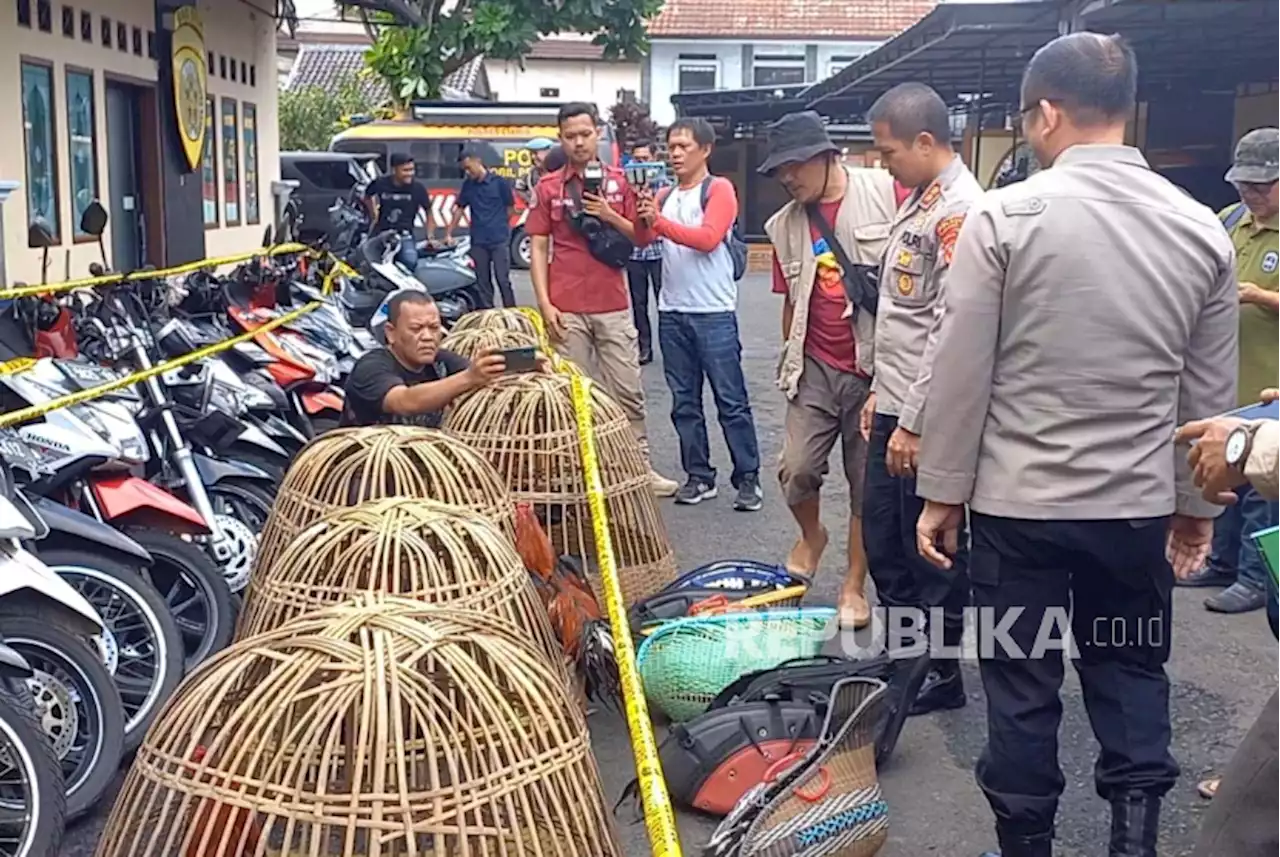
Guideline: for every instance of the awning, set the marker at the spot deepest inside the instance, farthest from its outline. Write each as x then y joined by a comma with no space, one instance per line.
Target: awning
753,104
962,50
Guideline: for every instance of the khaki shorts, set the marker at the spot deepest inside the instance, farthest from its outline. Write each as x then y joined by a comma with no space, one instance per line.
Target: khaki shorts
827,405
605,346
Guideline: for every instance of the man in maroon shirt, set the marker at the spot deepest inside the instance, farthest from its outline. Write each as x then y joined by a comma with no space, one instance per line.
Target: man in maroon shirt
585,303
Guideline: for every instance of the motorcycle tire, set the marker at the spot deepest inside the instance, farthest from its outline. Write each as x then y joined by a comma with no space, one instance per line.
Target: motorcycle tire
141,694
26,750
186,577
68,670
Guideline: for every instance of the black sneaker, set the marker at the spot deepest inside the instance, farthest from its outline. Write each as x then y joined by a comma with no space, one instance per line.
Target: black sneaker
694,492
750,495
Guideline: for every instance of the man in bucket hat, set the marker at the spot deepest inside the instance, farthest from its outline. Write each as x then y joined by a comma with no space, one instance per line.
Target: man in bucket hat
826,362
1252,224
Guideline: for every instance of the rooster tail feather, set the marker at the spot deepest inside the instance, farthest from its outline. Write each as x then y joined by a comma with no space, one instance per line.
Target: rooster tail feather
598,666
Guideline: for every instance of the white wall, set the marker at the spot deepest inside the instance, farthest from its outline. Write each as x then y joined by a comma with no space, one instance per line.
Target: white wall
664,58
577,80
233,29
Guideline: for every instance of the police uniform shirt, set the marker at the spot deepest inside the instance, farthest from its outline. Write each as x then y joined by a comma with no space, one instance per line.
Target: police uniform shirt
1257,246
1090,309
913,273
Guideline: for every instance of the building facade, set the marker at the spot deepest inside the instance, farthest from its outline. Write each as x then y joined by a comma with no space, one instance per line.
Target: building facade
92,82
564,68
702,45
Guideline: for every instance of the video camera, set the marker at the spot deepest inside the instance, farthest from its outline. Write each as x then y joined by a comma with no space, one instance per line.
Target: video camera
605,243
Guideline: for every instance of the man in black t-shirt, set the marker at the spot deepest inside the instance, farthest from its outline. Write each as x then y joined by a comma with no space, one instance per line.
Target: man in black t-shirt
412,381
394,200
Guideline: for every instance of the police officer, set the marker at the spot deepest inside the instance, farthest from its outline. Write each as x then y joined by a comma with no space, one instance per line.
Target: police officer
1089,310
1252,224
912,131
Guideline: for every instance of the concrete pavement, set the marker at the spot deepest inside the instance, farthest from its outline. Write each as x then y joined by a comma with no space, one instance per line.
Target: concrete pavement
1223,668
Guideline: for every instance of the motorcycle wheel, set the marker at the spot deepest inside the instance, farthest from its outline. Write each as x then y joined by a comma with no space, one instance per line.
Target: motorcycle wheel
76,703
144,637
32,801
194,590
243,506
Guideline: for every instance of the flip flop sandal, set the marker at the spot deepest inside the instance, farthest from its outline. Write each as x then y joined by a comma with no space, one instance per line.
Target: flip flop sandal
1208,788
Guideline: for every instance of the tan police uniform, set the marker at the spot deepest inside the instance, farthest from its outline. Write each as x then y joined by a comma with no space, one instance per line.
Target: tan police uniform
913,275
1090,309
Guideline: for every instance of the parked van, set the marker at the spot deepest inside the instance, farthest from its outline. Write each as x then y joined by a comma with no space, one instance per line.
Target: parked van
436,134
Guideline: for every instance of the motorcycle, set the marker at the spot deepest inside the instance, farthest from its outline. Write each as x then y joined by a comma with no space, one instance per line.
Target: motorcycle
83,459
440,273
143,645
50,625
33,806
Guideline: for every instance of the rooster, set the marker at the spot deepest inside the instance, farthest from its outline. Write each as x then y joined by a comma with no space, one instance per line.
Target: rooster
576,618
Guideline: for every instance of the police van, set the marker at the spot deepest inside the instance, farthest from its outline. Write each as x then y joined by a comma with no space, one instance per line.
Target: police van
434,135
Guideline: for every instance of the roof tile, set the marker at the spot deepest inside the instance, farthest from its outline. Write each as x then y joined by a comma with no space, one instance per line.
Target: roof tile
327,65
788,18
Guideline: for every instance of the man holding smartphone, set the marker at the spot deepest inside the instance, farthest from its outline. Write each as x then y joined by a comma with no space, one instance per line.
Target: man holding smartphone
412,380
584,301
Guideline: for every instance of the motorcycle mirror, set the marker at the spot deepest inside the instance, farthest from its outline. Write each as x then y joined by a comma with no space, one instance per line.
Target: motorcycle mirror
94,220
267,237
97,269
39,234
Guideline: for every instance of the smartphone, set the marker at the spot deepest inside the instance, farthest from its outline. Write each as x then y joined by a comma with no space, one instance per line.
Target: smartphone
644,175
520,360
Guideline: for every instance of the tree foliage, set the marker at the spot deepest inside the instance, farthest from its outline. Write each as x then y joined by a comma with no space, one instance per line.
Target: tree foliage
632,122
444,35
310,116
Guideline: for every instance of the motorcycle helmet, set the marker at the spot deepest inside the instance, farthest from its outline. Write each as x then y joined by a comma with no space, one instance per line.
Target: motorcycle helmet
539,144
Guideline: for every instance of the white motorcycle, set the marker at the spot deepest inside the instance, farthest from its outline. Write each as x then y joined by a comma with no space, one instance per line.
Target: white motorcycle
59,635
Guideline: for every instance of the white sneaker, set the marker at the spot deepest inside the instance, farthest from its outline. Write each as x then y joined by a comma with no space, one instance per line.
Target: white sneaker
662,486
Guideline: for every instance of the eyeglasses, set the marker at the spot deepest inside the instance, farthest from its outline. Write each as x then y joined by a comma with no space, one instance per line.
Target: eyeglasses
1254,188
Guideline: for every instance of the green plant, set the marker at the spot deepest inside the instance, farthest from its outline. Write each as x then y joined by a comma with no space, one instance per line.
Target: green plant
416,48
311,115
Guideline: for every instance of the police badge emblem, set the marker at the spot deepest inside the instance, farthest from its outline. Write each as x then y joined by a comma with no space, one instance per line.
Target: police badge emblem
1270,262
906,284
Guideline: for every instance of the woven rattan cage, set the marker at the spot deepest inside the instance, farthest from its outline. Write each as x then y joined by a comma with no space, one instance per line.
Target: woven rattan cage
346,467
499,319
380,728
470,342
420,549
525,427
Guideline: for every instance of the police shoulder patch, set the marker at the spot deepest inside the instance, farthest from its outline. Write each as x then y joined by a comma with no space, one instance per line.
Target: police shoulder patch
948,230
1270,262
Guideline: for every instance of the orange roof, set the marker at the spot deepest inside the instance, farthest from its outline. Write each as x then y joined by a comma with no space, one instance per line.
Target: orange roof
814,19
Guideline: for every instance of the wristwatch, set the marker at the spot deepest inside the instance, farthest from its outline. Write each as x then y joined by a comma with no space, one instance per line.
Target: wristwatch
1239,443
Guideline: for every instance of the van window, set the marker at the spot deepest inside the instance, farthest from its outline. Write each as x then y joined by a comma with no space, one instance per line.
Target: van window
371,147
330,175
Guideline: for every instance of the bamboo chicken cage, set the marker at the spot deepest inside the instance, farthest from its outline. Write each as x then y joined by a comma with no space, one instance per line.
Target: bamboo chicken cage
526,428
381,727
470,342
504,318
346,467
418,549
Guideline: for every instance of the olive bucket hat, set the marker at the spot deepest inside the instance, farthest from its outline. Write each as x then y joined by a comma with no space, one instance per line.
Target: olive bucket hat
794,139
1257,159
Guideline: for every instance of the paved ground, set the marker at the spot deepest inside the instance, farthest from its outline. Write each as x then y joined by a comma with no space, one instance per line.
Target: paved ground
1222,668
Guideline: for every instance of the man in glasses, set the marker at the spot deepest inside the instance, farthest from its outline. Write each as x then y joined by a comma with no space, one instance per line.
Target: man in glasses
1252,224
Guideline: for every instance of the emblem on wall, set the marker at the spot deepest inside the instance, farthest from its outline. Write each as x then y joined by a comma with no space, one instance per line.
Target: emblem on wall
189,82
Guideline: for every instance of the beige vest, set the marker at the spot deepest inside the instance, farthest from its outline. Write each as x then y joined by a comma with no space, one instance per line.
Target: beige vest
862,228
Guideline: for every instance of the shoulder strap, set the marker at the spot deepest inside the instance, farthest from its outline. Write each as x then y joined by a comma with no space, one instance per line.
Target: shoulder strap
706,191
1233,216
855,287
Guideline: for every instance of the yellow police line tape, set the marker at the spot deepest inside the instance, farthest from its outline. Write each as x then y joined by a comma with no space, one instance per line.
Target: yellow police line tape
34,411
659,817
111,279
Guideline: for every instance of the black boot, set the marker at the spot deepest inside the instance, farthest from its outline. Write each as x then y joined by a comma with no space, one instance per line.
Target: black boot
1023,846
942,690
1135,825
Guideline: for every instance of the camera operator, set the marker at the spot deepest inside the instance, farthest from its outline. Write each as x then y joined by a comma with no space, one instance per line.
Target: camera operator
587,212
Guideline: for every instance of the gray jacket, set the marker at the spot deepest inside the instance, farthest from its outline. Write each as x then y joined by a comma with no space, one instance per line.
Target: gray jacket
1090,310
912,276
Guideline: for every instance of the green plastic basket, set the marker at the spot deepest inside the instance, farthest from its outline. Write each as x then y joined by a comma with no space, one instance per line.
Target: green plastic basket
685,663
1268,542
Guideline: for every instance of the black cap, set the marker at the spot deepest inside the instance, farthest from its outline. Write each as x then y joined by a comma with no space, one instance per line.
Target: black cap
794,139
399,159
